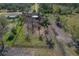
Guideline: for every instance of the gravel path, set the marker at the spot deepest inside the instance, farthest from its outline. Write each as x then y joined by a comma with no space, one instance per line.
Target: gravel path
62,38
18,52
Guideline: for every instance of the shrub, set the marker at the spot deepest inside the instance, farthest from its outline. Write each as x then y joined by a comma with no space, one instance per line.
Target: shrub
14,31
10,38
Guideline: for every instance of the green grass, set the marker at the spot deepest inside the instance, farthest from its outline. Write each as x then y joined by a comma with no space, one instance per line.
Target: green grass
34,41
73,24
6,35
43,52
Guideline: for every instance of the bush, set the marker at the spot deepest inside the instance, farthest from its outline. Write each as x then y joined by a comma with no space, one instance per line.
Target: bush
10,38
77,51
40,38
14,31
76,10
56,9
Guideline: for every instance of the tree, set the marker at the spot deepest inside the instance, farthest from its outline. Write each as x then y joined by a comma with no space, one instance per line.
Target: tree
15,7
45,8
3,24
45,23
3,21
56,9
